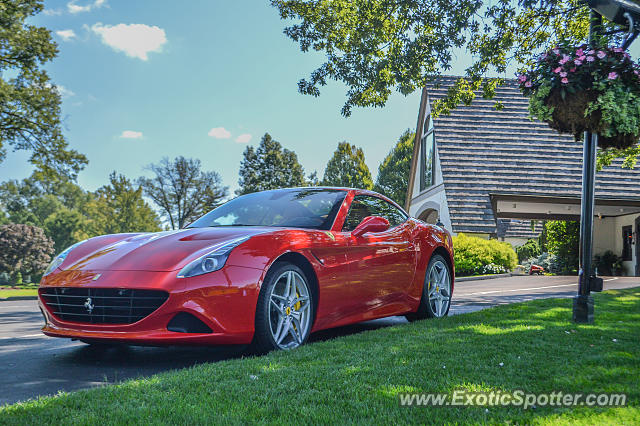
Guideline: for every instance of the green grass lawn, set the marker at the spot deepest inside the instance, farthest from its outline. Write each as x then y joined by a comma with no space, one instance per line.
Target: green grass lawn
4,293
358,377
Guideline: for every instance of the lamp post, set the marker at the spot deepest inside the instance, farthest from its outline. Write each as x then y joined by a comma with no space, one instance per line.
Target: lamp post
622,12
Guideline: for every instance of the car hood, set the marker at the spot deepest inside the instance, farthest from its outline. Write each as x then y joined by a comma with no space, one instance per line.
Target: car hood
159,251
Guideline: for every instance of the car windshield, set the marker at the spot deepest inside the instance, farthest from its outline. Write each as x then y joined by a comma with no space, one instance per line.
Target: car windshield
313,208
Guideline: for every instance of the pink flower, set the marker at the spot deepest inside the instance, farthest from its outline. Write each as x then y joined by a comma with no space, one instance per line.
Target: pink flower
522,78
556,51
613,75
582,57
617,49
527,84
565,80
591,52
577,62
557,70
590,59
563,74
573,69
579,52
564,60
601,54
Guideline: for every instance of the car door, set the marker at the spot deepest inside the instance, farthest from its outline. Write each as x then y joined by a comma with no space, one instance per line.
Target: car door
381,265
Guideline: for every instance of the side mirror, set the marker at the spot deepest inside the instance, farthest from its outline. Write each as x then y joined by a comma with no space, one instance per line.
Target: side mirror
371,224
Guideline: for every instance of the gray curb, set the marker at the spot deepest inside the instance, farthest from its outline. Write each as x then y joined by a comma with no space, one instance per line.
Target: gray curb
485,277
12,298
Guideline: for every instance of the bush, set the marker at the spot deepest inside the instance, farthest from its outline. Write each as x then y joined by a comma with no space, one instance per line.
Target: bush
608,263
5,278
25,250
528,250
563,240
548,261
475,255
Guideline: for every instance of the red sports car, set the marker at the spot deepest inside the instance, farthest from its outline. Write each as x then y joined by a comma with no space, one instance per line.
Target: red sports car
266,268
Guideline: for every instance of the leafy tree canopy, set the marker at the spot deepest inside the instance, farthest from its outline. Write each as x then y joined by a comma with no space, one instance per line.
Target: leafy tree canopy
29,103
25,249
119,207
563,240
377,46
393,172
269,167
182,190
347,168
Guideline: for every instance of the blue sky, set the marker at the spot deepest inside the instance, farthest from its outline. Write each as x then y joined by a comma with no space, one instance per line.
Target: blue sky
143,80
173,71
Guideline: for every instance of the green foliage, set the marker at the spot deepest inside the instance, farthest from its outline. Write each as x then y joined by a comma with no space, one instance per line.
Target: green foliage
29,103
528,250
376,46
393,172
608,263
25,250
269,167
347,168
563,240
69,214
182,190
119,207
473,254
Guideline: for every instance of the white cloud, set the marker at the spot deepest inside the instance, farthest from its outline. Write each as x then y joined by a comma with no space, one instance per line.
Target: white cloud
131,134
66,35
64,92
52,12
73,7
219,133
243,138
135,40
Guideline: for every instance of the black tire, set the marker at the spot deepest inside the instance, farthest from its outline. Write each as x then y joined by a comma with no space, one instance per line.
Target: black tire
263,339
425,309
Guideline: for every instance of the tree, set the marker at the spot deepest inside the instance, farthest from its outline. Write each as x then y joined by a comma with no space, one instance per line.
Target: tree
119,207
29,103
393,172
66,227
269,167
25,249
376,46
347,168
563,240
182,190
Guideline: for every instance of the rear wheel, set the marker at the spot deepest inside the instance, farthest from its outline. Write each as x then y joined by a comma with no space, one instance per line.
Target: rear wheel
436,291
285,310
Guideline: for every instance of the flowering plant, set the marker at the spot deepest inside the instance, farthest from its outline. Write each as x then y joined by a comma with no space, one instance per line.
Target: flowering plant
594,88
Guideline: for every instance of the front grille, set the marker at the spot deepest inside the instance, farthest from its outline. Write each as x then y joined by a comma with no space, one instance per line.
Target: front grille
102,305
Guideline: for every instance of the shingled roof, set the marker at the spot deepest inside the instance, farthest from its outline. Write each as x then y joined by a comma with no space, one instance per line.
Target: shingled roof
483,150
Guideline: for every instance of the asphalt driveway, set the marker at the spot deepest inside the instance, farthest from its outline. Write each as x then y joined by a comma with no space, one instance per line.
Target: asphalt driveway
32,364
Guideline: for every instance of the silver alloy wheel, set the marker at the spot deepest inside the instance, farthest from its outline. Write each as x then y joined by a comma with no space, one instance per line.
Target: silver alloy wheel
289,310
439,288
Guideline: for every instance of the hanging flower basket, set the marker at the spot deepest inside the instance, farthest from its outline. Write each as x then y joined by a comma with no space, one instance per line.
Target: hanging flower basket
586,88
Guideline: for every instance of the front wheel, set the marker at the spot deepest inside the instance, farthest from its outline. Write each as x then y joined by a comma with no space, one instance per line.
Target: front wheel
285,310
436,291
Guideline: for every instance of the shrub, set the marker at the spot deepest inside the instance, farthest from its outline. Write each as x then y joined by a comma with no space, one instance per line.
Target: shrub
563,240
528,250
475,255
607,263
547,260
25,249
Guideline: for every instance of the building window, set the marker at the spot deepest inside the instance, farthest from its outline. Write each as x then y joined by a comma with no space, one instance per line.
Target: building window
627,239
427,160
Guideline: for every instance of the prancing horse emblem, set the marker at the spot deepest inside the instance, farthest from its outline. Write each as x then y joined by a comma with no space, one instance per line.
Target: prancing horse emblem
89,305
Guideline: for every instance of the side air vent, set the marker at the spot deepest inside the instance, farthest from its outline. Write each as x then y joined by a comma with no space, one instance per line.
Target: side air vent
184,322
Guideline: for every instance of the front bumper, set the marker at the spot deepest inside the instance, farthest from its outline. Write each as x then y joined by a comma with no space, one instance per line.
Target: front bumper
224,300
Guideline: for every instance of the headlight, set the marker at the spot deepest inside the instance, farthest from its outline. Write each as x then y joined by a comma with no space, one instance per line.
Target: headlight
211,261
57,261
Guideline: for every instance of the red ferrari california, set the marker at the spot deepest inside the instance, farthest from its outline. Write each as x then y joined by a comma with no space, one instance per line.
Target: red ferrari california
267,268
